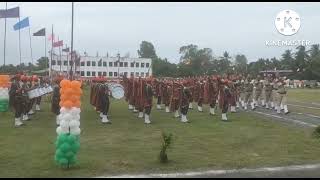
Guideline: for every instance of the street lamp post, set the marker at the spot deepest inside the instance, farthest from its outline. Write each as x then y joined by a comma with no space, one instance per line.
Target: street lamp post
118,55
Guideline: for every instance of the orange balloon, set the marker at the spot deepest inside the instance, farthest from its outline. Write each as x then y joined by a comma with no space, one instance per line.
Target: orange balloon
77,104
67,104
64,82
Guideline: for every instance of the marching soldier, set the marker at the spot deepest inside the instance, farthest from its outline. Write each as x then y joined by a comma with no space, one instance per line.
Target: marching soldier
282,96
185,100
147,99
55,107
248,88
258,86
104,103
213,94
16,96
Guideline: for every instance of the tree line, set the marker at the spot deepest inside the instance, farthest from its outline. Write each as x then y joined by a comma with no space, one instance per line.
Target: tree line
194,61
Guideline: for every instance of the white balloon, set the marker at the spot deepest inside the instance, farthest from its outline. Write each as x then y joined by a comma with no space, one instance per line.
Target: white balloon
75,131
64,124
67,116
73,124
58,130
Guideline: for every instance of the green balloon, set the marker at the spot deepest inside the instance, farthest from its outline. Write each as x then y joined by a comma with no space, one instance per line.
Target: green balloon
73,160
65,147
63,161
70,154
72,139
63,137
75,147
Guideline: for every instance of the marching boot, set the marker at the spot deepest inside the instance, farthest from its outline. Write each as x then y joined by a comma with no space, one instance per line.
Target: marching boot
105,119
31,112
233,109
190,106
267,105
224,117
37,107
286,111
158,106
167,109
101,115
200,109
184,118
278,109
238,104
146,119
130,107
252,106
140,115
272,105
17,122
25,117
245,106
176,114
135,110
281,106
57,121
263,103
212,111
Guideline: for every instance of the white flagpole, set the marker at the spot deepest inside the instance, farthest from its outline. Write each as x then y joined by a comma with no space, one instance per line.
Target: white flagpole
19,43
5,36
30,46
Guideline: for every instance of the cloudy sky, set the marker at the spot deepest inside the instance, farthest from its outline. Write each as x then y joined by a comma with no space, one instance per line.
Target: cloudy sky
120,27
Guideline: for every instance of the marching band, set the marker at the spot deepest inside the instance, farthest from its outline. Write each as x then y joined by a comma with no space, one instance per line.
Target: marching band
177,95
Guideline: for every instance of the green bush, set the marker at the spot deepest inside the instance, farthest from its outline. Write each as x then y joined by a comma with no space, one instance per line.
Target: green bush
166,143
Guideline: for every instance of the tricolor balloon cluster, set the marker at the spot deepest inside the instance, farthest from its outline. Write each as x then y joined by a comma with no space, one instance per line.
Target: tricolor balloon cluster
4,93
68,142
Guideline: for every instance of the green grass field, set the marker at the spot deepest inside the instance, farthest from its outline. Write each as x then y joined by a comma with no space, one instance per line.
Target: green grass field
129,146
305,97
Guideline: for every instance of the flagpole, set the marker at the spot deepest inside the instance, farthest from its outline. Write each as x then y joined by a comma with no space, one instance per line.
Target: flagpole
60,56
72,62
50,73
5,36
30,46
19,42
45,50
67,63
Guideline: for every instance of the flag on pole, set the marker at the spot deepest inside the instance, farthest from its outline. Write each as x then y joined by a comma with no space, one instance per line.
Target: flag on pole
51,36
41,32
21,24
66,50
58,43
10,13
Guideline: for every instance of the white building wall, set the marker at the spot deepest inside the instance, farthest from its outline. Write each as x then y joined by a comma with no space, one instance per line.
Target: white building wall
137,71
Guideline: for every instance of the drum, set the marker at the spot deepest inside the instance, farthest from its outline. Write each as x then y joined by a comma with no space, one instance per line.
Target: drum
32,93
117,90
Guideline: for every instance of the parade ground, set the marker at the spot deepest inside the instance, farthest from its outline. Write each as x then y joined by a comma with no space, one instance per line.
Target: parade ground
249,140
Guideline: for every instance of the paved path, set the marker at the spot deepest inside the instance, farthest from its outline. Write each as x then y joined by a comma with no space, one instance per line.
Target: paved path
305,171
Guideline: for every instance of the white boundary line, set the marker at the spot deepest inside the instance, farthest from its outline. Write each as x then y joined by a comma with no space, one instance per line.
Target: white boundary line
304,106
219,172
292,120
311,115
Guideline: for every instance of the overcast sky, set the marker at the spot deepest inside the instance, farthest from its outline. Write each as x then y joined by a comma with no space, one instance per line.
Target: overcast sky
120,27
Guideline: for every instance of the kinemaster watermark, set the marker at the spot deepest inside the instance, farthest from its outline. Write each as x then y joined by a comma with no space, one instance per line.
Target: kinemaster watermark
287,23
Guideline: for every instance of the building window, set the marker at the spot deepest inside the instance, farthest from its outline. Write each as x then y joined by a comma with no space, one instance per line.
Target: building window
147,65
53,62
93,73
137,74
110,64
82,63
115,64
104,73
125,74
132,64
99,73
125,64
147,74
88,73
121,64
104,64
131,74
93,63
88,63
110,74
142,65
100,63
59,63
142,74
65,63
82,73
137,64
115,74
